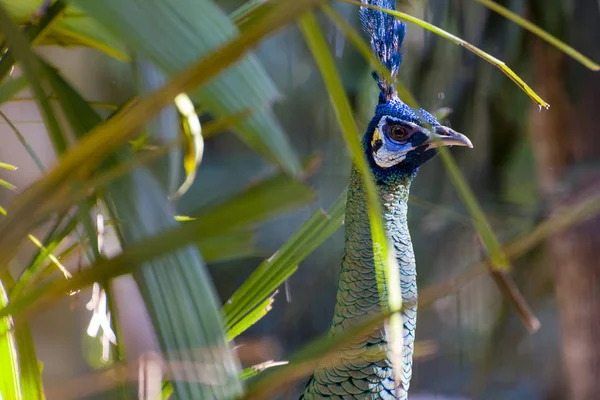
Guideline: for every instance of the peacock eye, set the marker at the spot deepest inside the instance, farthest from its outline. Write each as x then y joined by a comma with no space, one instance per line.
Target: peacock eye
399,133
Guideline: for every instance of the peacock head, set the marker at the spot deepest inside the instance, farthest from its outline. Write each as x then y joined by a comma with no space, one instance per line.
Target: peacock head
400,139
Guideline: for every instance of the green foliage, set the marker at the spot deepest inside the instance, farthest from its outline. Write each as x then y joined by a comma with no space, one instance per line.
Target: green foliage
28,377
33,71
259,201
190,46
10,386
11,87
254,298
178,294
189,30
73,29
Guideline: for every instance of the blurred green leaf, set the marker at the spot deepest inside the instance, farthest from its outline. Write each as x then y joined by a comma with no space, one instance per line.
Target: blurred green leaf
249,301
214,127
173,35
73,29
78,29
7,185
229,246
33,31
387,271
55,237
171,239
10,386
7,166
144,209
32,69
167,390
178,293
165,126
51,194
258,202
246,10
24,142
325,349
21,10
81,117
29,368
11,87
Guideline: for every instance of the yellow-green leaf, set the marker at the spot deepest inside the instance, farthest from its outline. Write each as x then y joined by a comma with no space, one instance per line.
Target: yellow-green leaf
173,35
440,32
522,22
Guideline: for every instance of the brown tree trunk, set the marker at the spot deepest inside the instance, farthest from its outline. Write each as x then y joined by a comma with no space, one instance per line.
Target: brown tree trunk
566,141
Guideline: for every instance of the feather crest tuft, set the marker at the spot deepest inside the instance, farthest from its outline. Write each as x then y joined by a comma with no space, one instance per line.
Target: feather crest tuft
386,34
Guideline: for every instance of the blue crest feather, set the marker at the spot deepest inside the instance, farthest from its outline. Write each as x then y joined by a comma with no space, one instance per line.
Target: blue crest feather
386,34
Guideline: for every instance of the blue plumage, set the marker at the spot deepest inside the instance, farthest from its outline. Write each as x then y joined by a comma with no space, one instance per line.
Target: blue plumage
397,109
386,34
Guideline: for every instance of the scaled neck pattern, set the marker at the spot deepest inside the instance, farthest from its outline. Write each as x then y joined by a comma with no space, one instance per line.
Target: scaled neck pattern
365,369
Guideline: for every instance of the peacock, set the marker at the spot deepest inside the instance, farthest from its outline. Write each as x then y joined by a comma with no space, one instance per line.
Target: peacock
398,140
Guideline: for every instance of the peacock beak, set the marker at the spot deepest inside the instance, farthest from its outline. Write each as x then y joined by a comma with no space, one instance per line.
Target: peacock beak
445,136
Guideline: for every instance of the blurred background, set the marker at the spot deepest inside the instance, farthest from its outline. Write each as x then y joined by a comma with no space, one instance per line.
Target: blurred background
526,164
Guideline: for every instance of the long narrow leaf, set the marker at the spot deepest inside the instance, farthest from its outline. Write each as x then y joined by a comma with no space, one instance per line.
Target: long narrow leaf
28,148
251,318
271,273
37,266
491,242
30,374
19,46
10,386
522,22
440,32
386,266
326,349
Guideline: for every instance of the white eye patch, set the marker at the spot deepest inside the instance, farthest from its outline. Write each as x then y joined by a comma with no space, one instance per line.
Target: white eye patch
385,157
387,152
